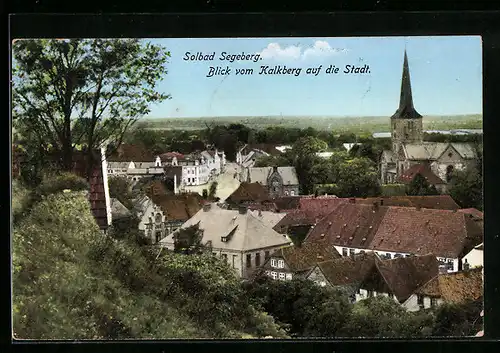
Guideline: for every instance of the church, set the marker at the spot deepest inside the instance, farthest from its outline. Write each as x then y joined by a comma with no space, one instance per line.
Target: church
410,155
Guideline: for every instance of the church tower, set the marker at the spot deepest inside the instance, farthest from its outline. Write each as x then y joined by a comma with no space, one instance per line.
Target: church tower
406,123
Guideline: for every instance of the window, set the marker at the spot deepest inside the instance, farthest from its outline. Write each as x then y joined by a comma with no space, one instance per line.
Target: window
266,255
388,256
158,218
274,275
344,251
249,260
158,236
433,302
224,256
234,261
370,294
292,193
274,263
281,264
214,254
289,276
282,276
420,300
351,252
257,259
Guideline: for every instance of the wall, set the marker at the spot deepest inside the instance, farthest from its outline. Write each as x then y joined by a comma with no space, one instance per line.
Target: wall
401,127
411,304
474,258
248,271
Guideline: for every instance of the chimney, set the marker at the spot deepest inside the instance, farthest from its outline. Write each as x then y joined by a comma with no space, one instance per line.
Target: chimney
242,209
207,207
381,202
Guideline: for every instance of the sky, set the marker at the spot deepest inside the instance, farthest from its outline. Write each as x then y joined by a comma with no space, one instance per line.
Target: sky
445,71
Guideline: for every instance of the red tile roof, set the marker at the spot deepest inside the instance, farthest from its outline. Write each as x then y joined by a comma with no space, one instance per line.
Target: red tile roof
455,287
306,256
424,170
441,232
405,275
97,195
442,202
248,192
350,225
131,153
348,270
170,155
180,207
472,211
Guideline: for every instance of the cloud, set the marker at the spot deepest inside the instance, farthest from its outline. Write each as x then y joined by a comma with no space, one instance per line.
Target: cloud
320,48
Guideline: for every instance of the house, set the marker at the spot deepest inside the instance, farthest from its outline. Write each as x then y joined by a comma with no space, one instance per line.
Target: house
279,181
241,237
424,169
345,273
474,258
294,261
161,215
455,287
249,153
198,168
409,149
133,161
247,194
398,278
298,222
399,231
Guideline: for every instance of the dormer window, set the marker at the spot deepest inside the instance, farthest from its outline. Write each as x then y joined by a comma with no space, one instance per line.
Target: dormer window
223,239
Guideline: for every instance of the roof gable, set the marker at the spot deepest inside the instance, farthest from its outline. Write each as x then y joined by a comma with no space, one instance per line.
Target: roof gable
455,287
424,170
348,270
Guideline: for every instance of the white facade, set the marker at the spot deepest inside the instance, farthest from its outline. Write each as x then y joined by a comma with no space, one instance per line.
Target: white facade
201,170
418,302
452,263
475,257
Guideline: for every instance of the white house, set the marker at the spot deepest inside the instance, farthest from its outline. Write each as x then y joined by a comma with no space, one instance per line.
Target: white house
394,232
475,257
197,168
243,238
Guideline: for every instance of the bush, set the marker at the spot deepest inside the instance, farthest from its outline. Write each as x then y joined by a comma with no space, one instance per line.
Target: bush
21,200
394,190
58,183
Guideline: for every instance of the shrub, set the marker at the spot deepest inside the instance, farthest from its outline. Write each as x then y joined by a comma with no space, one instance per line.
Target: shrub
58,183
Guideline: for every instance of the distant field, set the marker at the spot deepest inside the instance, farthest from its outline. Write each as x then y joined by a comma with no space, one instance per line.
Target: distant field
339,124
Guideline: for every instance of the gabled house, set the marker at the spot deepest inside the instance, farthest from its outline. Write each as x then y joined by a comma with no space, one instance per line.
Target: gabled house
133,161
345,273
279,181
160,215
198,168
247,194
423,169
293,261
455,287
398,278
249,153
399,232
242,238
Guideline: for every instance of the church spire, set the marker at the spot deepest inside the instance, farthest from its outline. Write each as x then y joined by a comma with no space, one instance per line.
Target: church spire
406,109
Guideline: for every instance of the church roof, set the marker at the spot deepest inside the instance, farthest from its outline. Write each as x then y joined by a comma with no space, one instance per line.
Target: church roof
430,151
406,109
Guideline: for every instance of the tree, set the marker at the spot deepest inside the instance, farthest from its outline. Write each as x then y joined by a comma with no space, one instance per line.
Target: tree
120,189
212,191
466,188
188,240
84,91
419,186
357,178
458,319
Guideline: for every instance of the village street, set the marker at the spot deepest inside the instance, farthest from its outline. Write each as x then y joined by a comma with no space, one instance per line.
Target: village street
227,184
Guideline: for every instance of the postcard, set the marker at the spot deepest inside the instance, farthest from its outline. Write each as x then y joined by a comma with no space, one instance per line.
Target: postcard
247,188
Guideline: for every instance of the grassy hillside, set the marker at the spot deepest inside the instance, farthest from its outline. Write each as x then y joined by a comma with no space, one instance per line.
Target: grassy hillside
341,124
71,282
